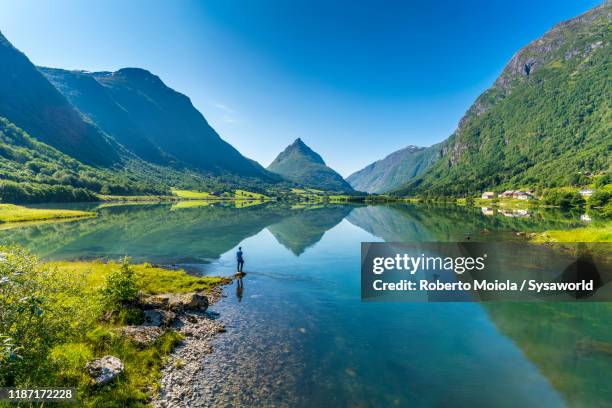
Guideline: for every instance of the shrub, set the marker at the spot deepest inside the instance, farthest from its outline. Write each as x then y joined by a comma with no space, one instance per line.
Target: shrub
37,311
120,286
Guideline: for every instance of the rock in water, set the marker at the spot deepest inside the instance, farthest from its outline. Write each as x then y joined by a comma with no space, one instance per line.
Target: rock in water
105,369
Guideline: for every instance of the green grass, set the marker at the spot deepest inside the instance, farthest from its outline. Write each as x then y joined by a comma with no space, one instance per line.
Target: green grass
74,331
17,213
594,233
149,279
193,195
135,198
249,195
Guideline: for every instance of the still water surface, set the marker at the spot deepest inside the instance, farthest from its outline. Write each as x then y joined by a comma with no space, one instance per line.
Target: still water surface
299,335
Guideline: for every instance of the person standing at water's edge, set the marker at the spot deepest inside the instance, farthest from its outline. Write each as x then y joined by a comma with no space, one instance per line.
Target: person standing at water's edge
239,259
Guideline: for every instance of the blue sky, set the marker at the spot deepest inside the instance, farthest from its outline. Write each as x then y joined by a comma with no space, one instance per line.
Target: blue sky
355,80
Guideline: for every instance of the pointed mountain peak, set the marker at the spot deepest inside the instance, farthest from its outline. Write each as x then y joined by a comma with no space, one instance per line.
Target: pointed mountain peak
298,147
300,164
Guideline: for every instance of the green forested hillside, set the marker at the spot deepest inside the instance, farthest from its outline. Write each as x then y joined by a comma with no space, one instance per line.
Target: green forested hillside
31,171
546,121
300,164
394,170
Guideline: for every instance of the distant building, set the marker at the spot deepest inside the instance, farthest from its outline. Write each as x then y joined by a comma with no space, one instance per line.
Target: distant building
521,195
507,194
587,192
488,195
585,218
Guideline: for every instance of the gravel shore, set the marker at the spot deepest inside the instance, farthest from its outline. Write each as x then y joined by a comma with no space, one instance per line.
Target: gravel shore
185,362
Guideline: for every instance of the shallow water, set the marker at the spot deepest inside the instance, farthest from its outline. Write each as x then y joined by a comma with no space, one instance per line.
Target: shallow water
299,335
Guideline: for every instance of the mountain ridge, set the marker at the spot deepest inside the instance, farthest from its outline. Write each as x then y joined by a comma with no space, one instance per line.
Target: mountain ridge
156,122
29,101
394,169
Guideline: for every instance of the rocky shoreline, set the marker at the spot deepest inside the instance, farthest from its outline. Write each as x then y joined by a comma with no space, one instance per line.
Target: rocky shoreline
184,364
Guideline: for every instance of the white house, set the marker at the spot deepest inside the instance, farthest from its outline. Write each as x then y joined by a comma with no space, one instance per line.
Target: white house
487,195
587,192
521,195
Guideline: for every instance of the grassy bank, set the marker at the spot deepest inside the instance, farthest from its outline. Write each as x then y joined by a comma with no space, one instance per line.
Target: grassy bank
17,213
135,199
194,195
55,317
601,232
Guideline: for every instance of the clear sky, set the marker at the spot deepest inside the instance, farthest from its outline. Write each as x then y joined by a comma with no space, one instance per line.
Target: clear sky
356,80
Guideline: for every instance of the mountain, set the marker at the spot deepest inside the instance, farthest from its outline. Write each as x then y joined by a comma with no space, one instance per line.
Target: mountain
30,102
305,228
155,122
67,135
300,164
394,170
545,121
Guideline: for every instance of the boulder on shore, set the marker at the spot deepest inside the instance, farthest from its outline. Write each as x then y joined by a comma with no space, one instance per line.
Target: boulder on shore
177,303
105,369
158,317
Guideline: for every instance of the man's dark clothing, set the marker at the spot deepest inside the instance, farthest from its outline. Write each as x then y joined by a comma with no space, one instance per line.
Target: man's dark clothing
239,260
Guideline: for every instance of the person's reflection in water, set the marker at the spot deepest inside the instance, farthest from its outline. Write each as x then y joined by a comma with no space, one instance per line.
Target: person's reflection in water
239,287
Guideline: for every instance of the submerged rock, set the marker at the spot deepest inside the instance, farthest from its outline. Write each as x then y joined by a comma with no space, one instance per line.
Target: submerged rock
105,369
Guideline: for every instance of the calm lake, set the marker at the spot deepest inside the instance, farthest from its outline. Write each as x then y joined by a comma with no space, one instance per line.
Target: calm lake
298,333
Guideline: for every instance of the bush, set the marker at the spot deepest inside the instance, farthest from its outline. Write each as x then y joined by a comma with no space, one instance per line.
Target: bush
563,198
38,309
120,286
